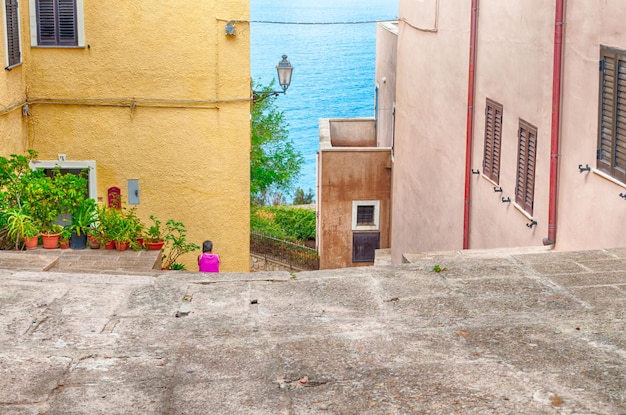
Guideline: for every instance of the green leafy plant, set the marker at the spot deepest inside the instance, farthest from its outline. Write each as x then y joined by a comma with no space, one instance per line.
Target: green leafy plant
275,164
84,215
155,232
178,267
176,243
20,225
438,268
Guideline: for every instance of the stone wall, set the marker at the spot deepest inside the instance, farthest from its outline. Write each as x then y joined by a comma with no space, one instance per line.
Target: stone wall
260,263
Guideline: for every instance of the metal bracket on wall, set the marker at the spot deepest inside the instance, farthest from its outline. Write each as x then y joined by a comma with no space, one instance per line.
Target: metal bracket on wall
531,224
475,171
622,195
582,169
506,199
497,189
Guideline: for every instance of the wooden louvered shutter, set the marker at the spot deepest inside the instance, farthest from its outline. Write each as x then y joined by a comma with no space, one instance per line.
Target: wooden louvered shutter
13,33
611,153
67,22
493,140
56,21
46,23
526,160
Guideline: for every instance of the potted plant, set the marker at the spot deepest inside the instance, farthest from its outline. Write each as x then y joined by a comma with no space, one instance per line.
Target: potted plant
50,236
83,216
155,236
107,219
64,238
21,227
124,231
176,244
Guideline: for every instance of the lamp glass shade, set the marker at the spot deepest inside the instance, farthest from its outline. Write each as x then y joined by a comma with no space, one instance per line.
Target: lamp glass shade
284,70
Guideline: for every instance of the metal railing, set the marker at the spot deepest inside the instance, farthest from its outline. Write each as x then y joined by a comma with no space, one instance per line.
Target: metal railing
288,253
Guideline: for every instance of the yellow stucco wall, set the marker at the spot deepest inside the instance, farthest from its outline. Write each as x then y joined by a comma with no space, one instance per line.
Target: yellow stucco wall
160,94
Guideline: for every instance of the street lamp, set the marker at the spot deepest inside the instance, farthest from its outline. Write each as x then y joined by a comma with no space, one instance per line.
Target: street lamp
284,70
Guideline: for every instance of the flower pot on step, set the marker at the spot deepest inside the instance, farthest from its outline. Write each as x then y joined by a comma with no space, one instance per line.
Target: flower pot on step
78,241
154,246
31,242
121,245
94,243
50,240
64,243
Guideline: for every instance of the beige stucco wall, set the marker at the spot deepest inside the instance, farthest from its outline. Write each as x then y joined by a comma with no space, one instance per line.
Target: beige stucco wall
431,97
161,95
386,62
591,213
514,68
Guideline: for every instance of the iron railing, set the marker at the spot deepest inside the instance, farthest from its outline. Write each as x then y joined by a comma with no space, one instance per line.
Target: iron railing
288,253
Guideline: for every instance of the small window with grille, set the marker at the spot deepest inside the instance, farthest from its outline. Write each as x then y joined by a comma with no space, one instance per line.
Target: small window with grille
365,215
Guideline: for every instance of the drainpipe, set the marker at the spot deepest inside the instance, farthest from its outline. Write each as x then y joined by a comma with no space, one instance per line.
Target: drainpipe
556,122
470,123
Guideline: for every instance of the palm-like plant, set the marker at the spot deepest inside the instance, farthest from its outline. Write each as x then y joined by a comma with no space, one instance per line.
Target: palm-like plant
20,225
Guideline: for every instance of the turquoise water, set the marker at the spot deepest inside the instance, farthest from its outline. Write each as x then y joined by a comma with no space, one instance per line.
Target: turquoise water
334,65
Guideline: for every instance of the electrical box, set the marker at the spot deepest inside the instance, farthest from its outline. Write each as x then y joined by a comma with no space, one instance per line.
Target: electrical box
133,191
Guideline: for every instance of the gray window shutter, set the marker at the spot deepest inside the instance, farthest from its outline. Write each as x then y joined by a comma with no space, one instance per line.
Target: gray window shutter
13,33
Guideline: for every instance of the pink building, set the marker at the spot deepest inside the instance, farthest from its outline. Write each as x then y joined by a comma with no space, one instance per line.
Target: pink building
500,108
507,125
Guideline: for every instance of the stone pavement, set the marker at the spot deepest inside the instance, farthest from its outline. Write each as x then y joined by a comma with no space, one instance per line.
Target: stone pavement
493,332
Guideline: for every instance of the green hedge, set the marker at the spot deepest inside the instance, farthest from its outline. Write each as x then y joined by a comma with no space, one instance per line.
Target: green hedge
283,222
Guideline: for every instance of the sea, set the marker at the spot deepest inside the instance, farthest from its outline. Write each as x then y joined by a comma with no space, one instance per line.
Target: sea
333,54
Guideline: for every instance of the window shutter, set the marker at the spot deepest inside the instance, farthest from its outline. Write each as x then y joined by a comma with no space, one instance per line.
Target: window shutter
46,23
611,154
527,156
13,33
493,140
620,122
67,23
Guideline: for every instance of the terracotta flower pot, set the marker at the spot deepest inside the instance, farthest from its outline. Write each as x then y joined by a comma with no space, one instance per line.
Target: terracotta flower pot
121,245
64,243
31,243
94,243
50,240
109,245
154,246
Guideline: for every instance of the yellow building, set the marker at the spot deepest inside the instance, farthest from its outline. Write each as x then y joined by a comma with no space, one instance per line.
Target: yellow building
154,96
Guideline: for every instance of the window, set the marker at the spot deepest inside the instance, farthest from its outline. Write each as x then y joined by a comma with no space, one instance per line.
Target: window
611,151
526,157
365,215
56,22
493,140
12,33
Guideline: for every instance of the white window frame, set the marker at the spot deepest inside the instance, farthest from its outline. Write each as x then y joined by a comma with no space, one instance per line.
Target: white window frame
355,206
6,39
80,25
83,164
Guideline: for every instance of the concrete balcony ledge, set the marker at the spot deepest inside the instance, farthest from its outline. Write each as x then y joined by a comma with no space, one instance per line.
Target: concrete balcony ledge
347,132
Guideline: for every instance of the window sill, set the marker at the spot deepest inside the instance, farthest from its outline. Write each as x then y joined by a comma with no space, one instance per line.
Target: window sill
15,65
56,47
523,212
607,177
